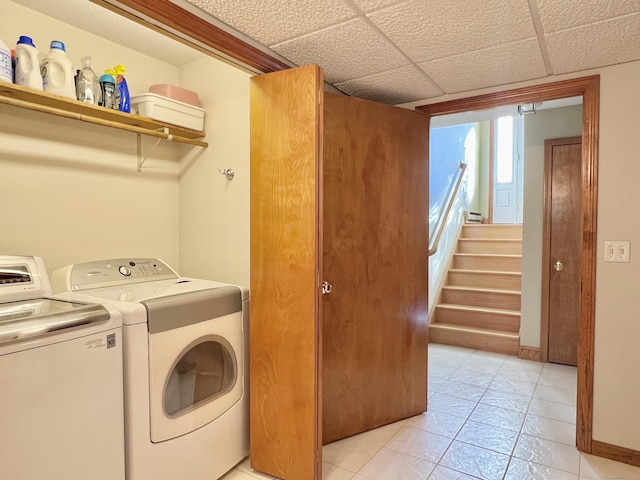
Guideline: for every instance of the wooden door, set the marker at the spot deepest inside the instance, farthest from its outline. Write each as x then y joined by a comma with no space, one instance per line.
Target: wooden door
375,235
286,255
563,180
375,212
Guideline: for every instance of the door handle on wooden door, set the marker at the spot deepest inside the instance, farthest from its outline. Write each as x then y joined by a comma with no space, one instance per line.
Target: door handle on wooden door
326,288
558,266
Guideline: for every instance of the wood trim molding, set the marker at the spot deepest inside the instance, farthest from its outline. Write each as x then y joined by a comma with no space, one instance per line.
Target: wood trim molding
589,89
535,93
529,353
613,452
168,14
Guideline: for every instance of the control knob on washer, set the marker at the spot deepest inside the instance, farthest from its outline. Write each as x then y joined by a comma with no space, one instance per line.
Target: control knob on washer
124,270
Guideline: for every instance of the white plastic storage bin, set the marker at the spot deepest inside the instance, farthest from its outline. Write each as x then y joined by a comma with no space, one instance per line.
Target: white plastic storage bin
167,110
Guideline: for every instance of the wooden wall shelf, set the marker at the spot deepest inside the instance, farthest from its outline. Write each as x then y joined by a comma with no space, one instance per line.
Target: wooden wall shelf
30,99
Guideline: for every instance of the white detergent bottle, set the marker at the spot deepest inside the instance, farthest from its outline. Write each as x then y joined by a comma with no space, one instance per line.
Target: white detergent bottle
6,69
57,72
27,64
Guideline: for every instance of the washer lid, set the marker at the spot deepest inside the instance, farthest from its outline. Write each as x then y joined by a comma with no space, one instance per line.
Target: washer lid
41,316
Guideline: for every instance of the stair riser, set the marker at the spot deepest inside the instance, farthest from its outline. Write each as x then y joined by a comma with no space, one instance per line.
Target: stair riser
486,280
482,299
478,319
500,264
492,246
475,340
492,231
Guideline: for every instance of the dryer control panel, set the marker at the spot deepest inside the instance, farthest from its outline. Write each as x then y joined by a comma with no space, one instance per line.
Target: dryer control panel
103,273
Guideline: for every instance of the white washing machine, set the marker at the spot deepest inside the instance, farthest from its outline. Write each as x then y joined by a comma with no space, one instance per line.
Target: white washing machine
185,365
61,397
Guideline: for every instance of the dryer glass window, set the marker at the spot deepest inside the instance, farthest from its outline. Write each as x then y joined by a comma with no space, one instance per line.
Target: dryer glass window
205,372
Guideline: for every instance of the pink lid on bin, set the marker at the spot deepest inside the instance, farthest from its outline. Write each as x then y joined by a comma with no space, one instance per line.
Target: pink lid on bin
176,93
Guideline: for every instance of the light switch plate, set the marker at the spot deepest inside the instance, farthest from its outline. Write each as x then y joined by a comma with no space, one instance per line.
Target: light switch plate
617,251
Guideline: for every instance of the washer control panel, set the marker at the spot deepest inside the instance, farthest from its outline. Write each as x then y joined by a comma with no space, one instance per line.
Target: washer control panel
118,271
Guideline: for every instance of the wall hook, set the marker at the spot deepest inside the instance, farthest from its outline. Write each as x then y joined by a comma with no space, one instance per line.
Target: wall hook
227,172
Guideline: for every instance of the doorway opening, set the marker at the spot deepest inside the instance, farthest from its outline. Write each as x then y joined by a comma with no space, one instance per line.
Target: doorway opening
588,89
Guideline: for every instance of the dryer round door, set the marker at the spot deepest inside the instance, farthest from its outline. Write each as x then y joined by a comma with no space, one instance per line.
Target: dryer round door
195,375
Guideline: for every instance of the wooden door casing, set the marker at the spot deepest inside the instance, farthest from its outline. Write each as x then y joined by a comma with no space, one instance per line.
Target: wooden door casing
562,237
375,235
285,334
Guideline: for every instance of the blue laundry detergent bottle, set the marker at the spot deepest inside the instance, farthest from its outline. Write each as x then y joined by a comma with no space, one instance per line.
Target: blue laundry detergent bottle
124,104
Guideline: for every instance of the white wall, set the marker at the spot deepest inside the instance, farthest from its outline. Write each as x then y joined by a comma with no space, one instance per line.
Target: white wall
70,190
617,356
214,211
552,123
617,331
142,70
467,199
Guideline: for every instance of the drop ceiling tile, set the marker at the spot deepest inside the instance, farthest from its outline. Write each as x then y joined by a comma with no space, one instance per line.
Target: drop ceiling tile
430,29
349,50
605,43
273,21
500,65
402,85
561,15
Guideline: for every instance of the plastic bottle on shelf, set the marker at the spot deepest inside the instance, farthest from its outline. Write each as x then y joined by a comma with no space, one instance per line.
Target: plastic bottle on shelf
13,64
57,72
124,100
87,88
27,71
6,69
108,90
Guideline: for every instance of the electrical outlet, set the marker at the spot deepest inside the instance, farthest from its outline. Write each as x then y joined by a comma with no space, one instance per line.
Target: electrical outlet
617,251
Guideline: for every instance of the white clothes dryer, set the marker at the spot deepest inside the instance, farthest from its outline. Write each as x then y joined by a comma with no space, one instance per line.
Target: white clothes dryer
61,401
185,365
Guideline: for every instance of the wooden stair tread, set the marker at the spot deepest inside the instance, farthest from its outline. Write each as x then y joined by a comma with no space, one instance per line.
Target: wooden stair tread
484,272
476,330
510,255
479,307
489,239
469,308
481,289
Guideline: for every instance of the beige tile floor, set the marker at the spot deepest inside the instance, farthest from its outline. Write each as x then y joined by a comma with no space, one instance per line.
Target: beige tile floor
490,416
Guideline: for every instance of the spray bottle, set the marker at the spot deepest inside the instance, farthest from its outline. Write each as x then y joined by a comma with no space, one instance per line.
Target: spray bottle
124,101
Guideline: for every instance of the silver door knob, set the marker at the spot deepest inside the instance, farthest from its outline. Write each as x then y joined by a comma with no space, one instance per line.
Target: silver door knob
326,288
558,266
